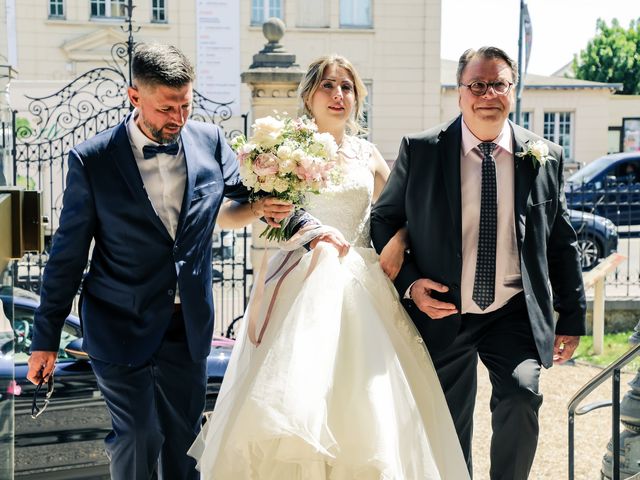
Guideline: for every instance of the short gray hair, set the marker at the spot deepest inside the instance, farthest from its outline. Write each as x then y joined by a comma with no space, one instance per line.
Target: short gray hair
486,53
157,64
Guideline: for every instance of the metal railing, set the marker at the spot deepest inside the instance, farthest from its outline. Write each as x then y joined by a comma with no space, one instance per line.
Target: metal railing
606,217
612,371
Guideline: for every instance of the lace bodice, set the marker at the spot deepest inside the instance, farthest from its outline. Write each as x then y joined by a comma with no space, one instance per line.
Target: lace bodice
347,205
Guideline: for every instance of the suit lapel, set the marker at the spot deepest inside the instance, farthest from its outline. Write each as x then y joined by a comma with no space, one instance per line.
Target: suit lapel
126,163
525,174
450,140
190,164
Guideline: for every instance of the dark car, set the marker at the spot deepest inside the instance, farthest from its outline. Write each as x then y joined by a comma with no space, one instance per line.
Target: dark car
66,441
597,237
608,186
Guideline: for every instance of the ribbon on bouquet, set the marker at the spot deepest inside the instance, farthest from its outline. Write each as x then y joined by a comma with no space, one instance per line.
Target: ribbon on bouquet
303,236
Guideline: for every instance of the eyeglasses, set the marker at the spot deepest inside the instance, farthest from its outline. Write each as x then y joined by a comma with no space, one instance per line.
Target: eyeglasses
36,411
480,88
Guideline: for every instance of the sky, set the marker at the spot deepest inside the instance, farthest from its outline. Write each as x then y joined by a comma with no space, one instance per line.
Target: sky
561,28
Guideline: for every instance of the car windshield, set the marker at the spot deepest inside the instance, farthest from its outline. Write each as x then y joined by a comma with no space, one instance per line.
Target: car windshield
586,173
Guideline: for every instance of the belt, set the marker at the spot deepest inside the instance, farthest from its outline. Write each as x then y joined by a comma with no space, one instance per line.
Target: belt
177,307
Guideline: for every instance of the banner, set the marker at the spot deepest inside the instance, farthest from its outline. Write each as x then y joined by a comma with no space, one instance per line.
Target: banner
528,36
218,51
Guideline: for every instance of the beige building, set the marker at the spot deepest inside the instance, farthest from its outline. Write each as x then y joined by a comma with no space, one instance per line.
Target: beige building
394,45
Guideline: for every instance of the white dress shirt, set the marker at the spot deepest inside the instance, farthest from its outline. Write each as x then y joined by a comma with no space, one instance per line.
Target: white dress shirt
508,277
163,176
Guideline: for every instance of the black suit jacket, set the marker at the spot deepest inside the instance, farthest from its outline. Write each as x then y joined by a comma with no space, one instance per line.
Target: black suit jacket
423,192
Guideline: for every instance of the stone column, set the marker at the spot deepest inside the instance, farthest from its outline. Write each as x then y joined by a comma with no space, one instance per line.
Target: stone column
7,73
273,78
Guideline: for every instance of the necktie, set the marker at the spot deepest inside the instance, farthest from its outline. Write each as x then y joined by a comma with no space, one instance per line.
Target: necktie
485,278
150,151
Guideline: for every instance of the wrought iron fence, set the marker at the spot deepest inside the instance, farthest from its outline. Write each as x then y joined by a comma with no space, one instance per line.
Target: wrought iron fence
606,216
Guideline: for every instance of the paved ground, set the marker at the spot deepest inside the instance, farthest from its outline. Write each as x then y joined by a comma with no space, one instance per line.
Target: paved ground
592,432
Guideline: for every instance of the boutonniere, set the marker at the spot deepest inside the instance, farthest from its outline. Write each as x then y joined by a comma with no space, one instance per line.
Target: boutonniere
538,151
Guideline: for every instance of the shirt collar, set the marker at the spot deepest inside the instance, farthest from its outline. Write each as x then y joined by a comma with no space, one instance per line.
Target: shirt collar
136,136
503,140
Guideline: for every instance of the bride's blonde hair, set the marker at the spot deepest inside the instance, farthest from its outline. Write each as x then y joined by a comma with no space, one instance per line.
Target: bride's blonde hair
312,79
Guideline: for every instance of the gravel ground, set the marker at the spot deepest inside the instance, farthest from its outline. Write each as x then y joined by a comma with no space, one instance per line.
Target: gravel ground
592,431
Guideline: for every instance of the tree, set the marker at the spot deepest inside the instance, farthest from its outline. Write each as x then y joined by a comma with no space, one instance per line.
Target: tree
612,56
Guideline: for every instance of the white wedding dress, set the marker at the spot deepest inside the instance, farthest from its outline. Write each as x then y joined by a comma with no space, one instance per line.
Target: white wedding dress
340,386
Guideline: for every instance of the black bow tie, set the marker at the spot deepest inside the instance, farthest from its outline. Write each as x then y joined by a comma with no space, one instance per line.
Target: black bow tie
150,151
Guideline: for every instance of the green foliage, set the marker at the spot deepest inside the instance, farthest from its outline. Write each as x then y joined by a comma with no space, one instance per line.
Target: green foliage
615,344
612,56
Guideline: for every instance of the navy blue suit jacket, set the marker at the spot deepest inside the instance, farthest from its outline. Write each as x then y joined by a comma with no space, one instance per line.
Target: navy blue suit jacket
135,264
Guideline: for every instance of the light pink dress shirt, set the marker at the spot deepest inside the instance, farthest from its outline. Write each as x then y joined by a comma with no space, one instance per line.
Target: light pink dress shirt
508,278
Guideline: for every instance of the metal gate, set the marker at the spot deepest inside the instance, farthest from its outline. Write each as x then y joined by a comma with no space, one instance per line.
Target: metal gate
93,102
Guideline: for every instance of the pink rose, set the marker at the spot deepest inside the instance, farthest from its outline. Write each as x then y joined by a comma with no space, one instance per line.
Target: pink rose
265,164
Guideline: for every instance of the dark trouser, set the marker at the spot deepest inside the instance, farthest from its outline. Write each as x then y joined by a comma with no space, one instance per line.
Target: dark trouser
155,410
504,342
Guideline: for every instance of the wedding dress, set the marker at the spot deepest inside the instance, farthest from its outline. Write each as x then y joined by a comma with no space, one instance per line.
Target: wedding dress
340,385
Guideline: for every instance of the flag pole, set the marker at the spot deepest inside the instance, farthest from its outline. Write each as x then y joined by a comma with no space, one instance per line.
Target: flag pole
518,114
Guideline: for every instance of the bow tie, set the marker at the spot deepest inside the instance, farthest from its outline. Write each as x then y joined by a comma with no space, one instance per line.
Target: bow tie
150,151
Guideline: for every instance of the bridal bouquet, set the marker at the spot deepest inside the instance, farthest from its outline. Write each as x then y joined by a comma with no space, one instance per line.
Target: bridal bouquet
288,159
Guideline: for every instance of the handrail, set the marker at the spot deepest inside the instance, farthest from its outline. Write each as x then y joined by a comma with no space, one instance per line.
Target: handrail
612,370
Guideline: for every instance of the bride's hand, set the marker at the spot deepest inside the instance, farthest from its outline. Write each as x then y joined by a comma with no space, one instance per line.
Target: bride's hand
272,209
392,255
335,238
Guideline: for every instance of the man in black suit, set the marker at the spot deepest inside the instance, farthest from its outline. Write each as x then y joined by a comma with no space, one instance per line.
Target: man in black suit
492,253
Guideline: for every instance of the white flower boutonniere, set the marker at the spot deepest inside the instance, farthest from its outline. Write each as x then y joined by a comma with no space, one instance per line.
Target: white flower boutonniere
538,151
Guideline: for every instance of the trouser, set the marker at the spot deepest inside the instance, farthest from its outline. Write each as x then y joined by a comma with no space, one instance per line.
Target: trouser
504,342
155,410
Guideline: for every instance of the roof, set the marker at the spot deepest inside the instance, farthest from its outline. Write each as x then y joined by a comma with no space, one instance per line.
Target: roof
532,81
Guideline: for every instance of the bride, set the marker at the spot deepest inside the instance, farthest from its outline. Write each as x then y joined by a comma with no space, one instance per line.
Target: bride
333,382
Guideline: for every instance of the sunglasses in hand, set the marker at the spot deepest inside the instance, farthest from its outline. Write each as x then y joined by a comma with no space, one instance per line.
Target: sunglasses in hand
36,410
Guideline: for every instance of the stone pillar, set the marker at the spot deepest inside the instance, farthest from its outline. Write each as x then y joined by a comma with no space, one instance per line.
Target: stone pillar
273,78
7,73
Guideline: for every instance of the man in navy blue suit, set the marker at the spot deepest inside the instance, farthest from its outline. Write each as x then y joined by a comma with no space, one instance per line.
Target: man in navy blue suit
146,193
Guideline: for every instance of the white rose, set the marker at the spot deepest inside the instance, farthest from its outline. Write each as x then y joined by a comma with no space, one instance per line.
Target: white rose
298,155
267,184
247,148
280,185
266,131
287,166
328,143
284,152
540,150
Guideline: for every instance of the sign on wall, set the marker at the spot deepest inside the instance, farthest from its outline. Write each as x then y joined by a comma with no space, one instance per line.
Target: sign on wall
630,134
218,51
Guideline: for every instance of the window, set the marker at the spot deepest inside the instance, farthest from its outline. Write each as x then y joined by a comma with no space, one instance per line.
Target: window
108,8
56,8
558,129
355,13
526,119
261,10
158,11
313,13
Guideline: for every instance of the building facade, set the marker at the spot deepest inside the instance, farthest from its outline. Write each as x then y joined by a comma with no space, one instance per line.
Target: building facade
395,45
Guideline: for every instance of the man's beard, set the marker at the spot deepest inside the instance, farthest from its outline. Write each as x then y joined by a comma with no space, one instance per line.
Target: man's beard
158,136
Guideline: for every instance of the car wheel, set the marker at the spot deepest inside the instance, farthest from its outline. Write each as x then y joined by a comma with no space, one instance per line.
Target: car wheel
590,253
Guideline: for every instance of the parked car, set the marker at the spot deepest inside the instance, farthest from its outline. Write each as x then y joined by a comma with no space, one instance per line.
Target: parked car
66,441
608,186
597,237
